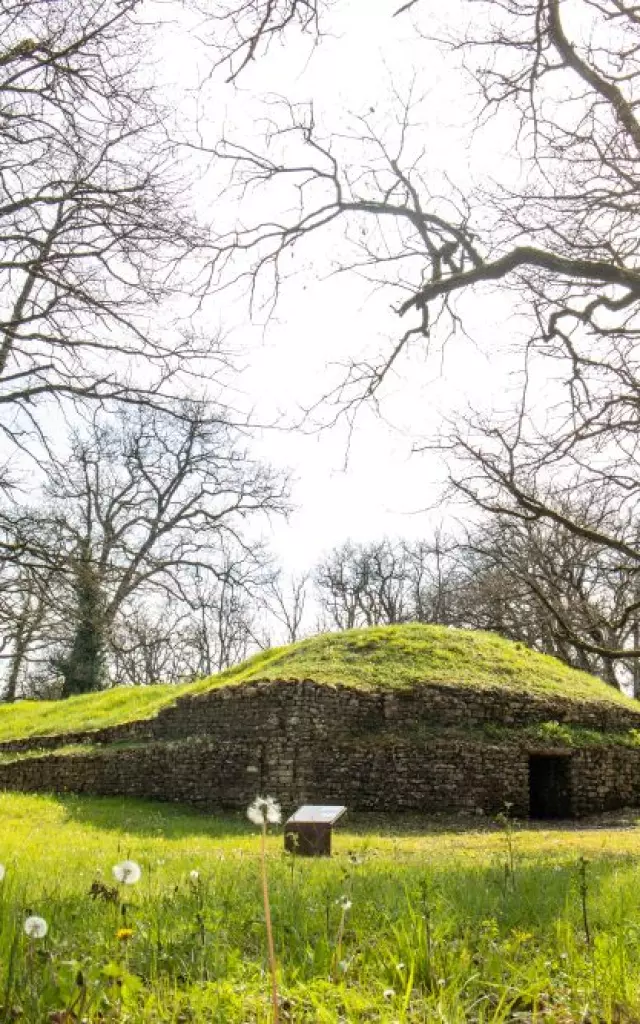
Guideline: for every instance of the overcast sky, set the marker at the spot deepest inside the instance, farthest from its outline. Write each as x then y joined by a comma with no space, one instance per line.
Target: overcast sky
382,488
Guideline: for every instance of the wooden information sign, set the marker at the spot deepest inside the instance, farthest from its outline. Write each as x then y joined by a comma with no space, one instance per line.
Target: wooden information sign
308,831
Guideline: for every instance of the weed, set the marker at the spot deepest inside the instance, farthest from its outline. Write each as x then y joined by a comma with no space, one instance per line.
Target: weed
505,821
583,888
264,811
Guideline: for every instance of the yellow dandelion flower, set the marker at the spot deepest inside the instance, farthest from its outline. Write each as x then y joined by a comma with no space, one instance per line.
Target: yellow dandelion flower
124,934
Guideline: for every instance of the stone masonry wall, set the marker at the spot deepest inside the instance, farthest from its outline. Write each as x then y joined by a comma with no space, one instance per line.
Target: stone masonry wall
449,775
306,742
316,710
604,779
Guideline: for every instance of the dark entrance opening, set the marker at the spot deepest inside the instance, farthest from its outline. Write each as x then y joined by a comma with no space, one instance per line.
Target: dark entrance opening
549,788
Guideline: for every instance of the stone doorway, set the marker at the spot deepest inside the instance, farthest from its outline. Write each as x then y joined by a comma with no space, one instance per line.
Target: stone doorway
549,786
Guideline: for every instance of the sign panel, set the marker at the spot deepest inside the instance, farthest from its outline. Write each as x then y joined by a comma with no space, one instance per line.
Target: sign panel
317,814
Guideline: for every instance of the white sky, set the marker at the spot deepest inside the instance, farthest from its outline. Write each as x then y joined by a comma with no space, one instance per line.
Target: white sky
382,489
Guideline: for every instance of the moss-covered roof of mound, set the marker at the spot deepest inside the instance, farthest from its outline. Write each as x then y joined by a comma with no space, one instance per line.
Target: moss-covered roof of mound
398,657
385,657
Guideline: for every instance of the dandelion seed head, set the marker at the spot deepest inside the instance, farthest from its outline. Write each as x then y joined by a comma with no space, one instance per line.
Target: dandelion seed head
345,903
35,927
389,993
3,871
127,872
194,875
264,809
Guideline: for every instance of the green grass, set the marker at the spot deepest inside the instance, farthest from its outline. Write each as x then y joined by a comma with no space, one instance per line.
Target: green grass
85,713
68,750
561,734
397,657
392,657
446,924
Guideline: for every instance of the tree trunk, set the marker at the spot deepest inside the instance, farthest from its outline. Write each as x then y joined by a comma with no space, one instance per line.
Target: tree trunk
17,658
83,670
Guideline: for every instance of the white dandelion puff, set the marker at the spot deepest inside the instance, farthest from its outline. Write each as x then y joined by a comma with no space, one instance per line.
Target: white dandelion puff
345,903
194,875
264,810
3,871
389,993
36,927
127,872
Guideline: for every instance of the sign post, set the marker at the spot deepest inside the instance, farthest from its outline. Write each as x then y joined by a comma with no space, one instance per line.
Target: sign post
308,831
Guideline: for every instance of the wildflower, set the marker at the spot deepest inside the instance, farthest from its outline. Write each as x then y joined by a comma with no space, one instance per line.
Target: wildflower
345,903
194,875
127,872
264,810
124,934
36,927
389,993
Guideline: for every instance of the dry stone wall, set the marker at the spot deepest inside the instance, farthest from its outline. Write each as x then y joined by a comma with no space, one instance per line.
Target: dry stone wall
312,709
399,776
300,741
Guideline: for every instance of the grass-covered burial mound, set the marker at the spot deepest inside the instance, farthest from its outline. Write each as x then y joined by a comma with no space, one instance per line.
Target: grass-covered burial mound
403,717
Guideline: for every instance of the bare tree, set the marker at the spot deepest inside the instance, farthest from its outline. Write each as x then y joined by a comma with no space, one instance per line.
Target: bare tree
224,624
556,591
434,578
561,235
29,595
140,505
387,582
147,645
242,30
285,599
533,582
212,624
97,227
93,223
340,583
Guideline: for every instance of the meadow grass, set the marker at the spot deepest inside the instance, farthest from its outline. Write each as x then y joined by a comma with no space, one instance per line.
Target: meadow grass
446,924
384,657
86,712
399,657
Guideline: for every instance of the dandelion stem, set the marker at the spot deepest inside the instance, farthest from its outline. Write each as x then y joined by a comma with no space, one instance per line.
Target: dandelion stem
338,950
267,917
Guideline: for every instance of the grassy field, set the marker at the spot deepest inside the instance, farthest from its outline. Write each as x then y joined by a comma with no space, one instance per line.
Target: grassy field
382,657
489,924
